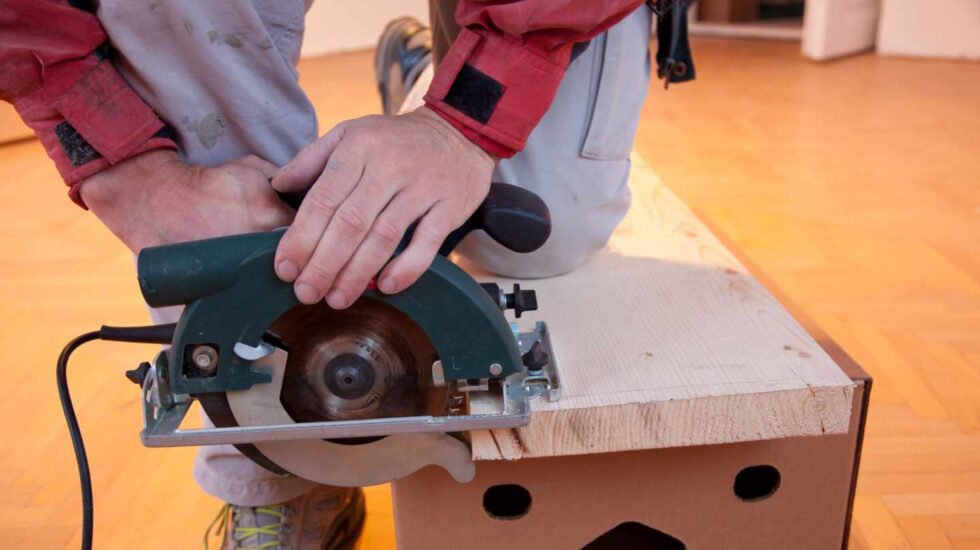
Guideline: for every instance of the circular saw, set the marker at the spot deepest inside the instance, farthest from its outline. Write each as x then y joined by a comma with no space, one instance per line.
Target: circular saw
347,397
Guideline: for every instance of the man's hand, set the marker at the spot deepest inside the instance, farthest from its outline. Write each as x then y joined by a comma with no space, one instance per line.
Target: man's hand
154,199
371,178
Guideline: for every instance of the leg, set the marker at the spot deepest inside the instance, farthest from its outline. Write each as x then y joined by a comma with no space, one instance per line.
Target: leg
223,75
577,159
227,474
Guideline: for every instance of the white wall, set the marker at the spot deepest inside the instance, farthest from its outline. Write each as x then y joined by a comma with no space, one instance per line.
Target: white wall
343,25
933,28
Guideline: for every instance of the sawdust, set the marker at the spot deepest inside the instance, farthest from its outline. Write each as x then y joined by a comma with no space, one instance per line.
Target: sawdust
208,128
232,39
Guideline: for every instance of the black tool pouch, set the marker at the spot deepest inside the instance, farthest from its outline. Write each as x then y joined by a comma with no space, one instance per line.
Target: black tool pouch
674,60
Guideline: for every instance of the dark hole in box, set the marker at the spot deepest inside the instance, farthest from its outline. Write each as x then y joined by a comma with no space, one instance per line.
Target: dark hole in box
507,501
634,535
757,482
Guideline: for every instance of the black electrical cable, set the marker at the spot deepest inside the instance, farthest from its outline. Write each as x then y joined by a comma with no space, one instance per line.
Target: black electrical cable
76,434
156,334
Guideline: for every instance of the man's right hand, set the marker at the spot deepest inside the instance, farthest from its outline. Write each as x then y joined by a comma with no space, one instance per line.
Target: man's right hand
155,199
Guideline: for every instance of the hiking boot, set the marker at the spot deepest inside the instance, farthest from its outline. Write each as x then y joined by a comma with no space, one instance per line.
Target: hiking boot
326,518
404,51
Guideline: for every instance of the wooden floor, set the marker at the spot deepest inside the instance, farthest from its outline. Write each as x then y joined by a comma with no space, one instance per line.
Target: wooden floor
854,185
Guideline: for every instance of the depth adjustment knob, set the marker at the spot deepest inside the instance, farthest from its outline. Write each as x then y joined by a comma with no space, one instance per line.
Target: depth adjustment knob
536,359
519,300
138,375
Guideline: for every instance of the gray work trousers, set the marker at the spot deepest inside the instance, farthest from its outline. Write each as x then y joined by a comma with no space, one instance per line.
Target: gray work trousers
223,75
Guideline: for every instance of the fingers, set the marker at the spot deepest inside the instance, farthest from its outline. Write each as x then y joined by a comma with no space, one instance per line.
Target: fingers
328,193
309,163
404,270
267,169
349,225
377,248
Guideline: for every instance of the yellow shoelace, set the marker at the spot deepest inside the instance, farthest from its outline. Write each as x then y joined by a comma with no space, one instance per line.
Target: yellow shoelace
220,523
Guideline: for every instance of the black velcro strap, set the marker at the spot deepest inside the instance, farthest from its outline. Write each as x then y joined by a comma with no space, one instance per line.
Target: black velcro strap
166,132
475,94
78,150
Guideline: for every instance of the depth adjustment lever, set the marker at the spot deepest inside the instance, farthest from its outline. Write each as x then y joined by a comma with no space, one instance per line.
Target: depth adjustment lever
519,300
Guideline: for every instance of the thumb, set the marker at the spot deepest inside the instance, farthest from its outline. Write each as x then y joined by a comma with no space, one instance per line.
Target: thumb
309,163
258,163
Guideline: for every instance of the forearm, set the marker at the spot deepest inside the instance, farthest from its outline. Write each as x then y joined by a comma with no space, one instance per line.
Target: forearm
501,74
121,195
85,115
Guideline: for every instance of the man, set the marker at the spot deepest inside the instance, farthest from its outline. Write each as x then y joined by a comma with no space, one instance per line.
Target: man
169,118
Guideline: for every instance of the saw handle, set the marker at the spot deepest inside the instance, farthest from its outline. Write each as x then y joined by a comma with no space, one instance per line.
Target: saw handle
513,216
292,199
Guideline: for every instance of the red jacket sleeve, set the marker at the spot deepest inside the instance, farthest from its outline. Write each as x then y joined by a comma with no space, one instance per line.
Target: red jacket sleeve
502,72
86,116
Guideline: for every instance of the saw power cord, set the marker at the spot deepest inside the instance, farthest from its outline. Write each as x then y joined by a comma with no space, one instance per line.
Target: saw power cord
154,334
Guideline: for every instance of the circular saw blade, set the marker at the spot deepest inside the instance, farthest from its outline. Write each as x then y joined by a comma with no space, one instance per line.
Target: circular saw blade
367,361
343,463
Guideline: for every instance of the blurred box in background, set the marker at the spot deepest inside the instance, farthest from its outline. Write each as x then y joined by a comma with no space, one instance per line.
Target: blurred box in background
728,10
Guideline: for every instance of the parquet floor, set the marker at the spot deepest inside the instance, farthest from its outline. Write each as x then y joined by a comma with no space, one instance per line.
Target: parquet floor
854,185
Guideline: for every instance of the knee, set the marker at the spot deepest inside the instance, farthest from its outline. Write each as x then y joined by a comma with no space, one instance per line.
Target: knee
575,237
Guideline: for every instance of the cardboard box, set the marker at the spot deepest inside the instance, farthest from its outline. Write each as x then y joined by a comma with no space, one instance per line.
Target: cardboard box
790,493
785,493
728,10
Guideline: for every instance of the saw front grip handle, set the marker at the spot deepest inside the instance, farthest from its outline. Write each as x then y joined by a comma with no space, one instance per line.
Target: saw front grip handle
513,216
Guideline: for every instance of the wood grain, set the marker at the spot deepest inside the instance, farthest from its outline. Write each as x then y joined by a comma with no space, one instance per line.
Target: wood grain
665,340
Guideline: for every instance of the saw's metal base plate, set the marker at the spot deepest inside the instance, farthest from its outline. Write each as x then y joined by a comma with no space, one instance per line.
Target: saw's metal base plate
505,405
165,431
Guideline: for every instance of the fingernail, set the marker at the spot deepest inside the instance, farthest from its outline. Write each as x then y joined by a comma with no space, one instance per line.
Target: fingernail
287,271
337,299
305,293
387,285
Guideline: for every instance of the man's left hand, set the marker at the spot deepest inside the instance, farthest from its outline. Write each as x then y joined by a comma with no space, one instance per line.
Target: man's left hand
371,178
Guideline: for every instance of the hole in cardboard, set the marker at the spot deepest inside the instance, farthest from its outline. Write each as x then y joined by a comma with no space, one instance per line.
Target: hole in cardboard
507,501
757,482
634,535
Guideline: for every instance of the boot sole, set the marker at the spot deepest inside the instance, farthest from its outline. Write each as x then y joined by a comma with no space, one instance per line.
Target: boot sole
391,38
352,523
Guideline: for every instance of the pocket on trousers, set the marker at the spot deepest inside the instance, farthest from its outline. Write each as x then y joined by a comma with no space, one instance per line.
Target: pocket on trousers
620,76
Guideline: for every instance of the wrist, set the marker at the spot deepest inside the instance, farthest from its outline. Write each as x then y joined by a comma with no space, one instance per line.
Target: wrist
116,185
494,148
451,129
122,195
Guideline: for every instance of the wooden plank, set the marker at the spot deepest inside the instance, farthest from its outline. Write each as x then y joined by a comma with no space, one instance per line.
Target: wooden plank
924,532
11,127
877,524
664,339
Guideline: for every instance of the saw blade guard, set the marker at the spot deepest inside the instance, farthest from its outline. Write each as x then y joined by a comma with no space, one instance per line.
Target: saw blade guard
233,296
